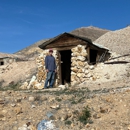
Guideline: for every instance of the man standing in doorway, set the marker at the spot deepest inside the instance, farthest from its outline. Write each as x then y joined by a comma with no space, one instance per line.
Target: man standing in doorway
50,65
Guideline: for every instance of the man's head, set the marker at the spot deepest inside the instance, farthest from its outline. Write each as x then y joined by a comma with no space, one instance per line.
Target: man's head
50,51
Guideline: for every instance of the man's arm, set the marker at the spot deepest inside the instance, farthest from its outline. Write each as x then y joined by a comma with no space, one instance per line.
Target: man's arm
46,63
55,66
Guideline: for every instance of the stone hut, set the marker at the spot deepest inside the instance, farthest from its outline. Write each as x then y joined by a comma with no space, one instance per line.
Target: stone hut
6,58
74,55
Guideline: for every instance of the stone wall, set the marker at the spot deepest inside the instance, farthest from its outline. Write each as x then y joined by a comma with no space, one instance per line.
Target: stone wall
79,64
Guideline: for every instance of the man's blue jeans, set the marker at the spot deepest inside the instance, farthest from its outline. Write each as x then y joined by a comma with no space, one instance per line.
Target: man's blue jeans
50,78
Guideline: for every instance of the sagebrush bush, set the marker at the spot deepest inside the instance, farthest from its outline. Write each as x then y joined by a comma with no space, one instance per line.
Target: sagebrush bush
85,115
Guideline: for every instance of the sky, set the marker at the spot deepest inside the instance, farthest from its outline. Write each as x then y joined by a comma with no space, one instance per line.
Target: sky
24,22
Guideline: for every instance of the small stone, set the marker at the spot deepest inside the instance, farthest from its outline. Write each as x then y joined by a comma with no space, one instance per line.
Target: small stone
31,99
62,87
55,106
18,110
112,122
1,116
18,100
103,110
128,127
32,127
4,111
91,67
14,128
33,106
24,127
96,116
64,117
72,125
13,105
87,125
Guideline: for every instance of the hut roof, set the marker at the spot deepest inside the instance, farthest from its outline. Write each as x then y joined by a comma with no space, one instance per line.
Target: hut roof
88,41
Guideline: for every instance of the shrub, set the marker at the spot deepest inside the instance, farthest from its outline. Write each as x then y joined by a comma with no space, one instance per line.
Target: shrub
85,115
68,122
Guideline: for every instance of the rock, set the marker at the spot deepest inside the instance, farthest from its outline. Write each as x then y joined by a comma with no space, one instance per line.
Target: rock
33,106
80,63
24,127
81,58
107,76
2,102
14,128
64,117
128,127
86,72
103,110
24,86
18,110
31,127
1,116
4,111
38,86
31,99
87,125
13,105
18,100
55,106
50,116
91,67
62,87
96,116
89,75
31,82
74,69
80,75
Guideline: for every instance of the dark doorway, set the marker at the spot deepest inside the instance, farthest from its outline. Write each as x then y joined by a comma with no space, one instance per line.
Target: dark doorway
93,56
1,63
65,66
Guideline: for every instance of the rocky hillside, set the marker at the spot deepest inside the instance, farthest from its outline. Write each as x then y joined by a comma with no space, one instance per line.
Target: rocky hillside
90,32
31,51
117,41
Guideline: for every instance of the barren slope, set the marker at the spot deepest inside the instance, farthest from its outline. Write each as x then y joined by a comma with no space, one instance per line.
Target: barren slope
117,41
90,32
16,72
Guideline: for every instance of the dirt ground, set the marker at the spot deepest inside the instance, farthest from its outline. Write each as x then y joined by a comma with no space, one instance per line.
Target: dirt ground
109,107
17,72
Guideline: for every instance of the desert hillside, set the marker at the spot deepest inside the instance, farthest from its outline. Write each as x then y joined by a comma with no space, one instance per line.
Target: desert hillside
117,41
90,32
31,51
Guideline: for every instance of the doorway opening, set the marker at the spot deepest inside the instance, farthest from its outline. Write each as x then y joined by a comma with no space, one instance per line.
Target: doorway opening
93,56
1,63
65,66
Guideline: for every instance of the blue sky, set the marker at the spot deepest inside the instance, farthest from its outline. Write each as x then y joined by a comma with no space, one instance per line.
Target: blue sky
24,22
